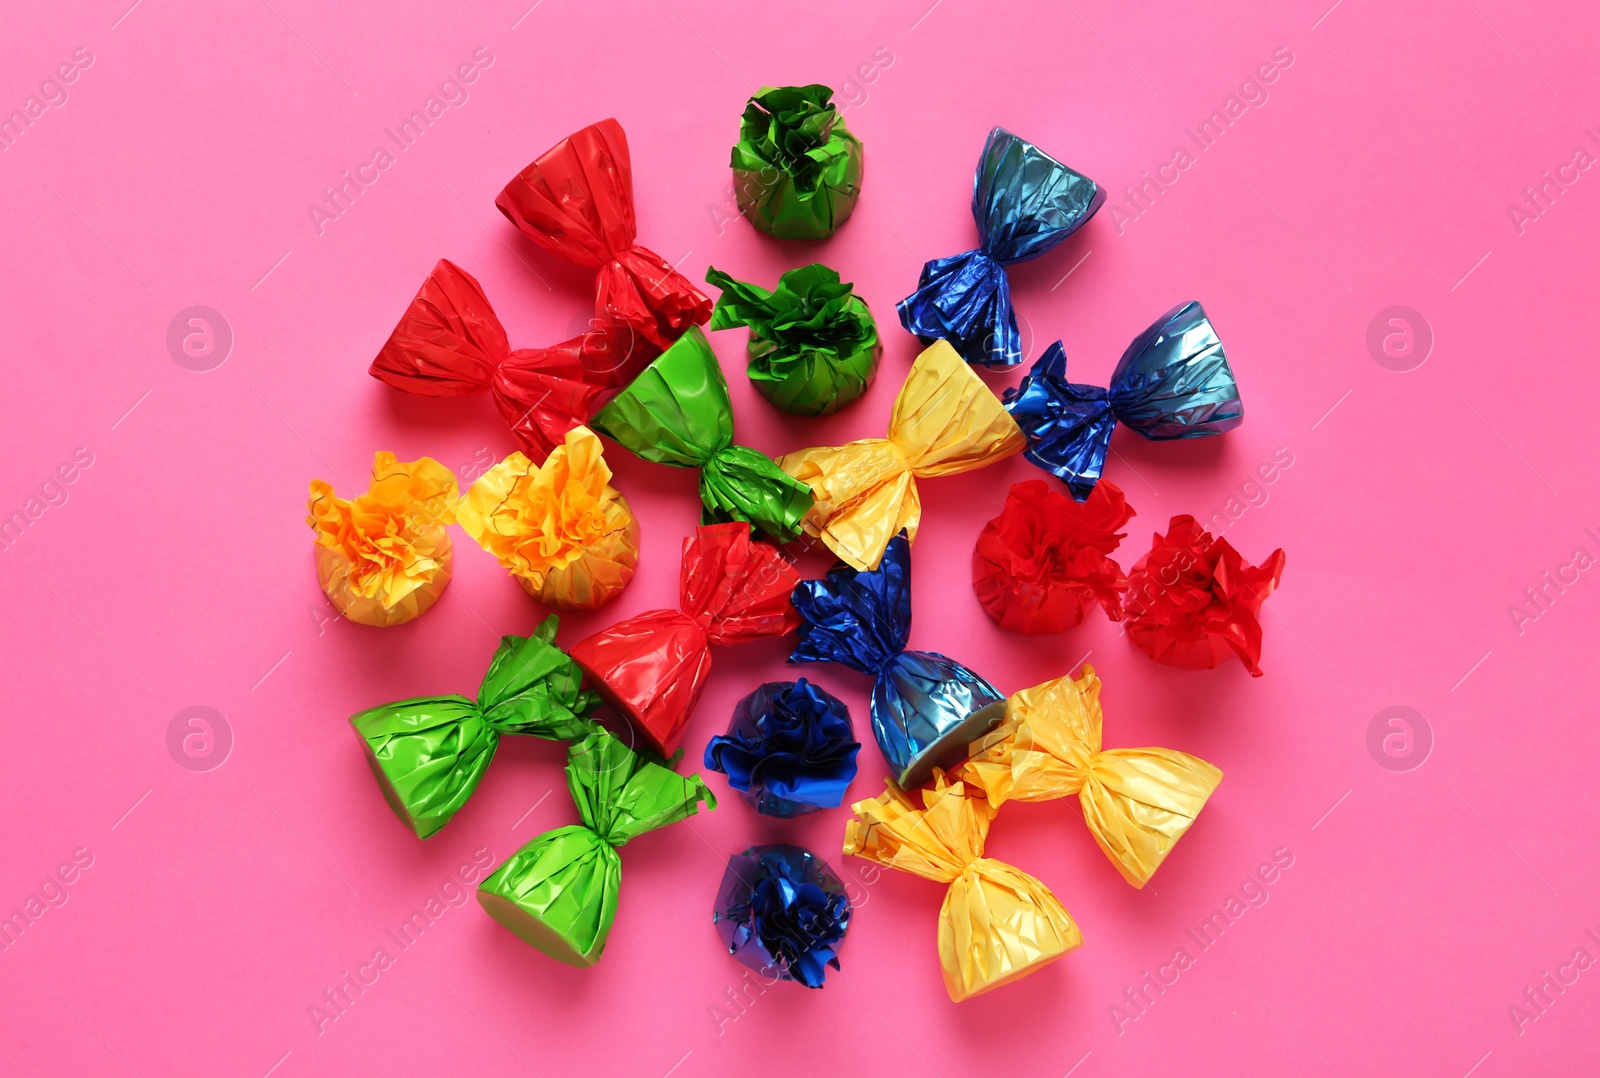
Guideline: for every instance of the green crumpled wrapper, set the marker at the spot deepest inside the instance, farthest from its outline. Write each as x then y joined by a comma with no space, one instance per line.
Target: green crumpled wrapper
430,752
677,412
559,892
796,167
814,347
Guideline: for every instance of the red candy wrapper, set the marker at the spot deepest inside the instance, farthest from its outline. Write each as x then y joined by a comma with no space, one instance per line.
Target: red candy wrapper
652,667
1193,602
576,201
449,343
1040,564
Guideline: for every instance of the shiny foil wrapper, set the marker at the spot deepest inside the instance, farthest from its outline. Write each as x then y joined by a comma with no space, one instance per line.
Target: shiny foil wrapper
782,912
429,753
1172,382
926,708
1024,202
1137,803
789,750
559,892
796,167
997,924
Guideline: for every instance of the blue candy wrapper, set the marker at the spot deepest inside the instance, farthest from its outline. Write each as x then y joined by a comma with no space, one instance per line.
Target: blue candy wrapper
926,708
1024,202
783,912
789,750
1172,382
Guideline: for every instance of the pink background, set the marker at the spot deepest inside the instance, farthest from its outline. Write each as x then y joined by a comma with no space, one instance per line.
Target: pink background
1378,171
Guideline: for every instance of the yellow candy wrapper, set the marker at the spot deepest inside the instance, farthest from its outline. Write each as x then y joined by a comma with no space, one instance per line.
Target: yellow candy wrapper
945,421
565,533
383,557
998,924
1137,803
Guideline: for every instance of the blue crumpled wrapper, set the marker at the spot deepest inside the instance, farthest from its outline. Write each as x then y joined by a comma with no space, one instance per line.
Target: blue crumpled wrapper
926,708
1025,202
783,912
789,750
1172,382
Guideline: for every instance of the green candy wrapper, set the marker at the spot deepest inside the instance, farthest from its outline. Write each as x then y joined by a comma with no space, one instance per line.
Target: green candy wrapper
814,347
430,752
796,167
559,892
677,412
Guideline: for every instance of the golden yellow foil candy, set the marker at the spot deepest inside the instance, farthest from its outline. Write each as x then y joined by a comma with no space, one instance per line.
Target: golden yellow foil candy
383,557
945,421
565,533
998,924
1137,802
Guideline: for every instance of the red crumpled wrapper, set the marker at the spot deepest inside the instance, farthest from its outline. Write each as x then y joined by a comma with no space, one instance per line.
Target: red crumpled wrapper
1193,601
449,343
576,201
652,667
1041,564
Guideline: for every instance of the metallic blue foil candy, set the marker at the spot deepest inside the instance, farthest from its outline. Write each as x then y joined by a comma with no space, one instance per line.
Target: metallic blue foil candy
1172,382
783,912
1025,202
926,708
789,750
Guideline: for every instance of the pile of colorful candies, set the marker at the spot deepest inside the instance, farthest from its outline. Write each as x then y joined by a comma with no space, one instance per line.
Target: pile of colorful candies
645,376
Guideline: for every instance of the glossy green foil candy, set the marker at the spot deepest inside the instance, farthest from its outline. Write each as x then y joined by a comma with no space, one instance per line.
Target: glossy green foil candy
677,412
430,752
814,346
796,167
559,892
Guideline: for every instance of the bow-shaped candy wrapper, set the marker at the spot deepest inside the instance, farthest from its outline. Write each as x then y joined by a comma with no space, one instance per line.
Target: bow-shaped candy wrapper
783,912
450,343
789,750
565,533
576,201
1173,382
945,421
997,924
813,344
1137,803
926,708
653,666
677,412
1024,202
559,892
429,753
796,167
383,557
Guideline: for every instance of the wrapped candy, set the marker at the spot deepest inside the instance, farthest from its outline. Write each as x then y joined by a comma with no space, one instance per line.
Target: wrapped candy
576,201
1040,564
1172,382
383,557
1025,202
813,348
429,753
796,167
1193,602
449,343
782,912
653,666
565,533
945,421
789,750
559,892
677,412
926,708
1137,803
997,924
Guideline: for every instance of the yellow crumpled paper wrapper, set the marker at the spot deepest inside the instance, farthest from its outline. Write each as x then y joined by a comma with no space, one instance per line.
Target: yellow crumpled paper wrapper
565,533
998,924
1137,803
383,557
945,421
